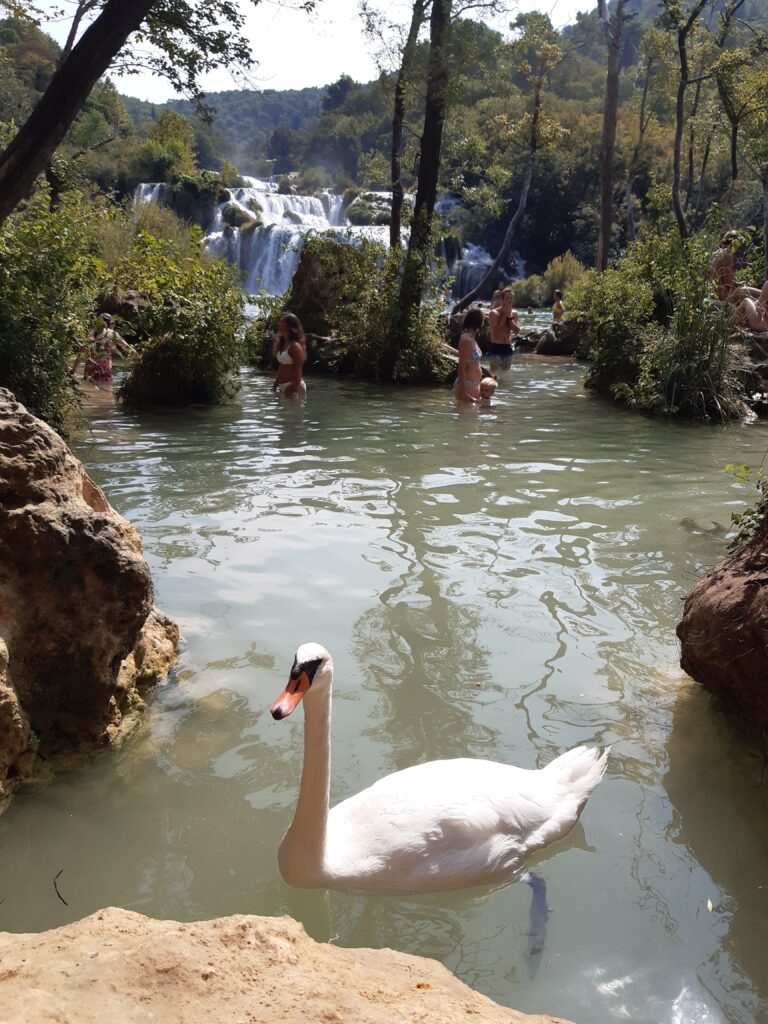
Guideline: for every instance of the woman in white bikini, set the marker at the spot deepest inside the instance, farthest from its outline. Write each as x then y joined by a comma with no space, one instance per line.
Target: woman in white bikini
291,354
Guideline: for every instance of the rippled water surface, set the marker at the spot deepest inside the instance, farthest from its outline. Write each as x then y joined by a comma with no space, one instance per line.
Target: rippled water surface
502,584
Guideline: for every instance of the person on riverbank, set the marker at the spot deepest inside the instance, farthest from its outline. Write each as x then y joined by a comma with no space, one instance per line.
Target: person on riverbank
558,309
291,354
467,386
102,342
502,324
753,312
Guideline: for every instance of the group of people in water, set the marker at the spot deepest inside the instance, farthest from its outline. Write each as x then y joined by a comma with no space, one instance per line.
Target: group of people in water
503,324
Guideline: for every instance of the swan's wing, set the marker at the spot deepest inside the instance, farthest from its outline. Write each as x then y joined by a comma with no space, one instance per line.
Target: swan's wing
462,820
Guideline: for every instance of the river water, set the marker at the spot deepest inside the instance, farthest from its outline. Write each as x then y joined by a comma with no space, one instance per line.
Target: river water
500,584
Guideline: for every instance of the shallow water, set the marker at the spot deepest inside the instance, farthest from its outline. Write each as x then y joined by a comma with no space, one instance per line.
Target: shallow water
501,584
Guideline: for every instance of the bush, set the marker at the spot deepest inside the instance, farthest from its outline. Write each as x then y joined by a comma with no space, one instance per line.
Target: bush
362,307
48,284
656,339
194,319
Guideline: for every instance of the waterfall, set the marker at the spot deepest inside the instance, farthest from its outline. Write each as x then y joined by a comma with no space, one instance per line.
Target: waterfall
262,231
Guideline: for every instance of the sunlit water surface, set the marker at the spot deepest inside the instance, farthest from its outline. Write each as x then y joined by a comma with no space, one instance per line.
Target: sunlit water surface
501,584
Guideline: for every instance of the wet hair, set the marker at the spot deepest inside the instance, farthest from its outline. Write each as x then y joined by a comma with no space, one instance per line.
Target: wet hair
558,294
489,382
107,317
508,291
473,319
295,330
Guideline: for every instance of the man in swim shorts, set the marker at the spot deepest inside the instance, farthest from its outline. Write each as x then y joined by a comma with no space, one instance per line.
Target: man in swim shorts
502,325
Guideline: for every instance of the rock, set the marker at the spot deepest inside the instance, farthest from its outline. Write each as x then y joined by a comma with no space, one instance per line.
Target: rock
724,631
318,286
236,217
79,632
559,340
369,208
120,966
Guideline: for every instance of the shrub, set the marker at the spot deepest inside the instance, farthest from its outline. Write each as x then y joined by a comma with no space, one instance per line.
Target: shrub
48,284
363,306
656,339
561,273
194,319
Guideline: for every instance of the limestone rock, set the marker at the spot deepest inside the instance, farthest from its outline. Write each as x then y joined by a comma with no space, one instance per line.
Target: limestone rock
122,967
559,340
724,631
75,599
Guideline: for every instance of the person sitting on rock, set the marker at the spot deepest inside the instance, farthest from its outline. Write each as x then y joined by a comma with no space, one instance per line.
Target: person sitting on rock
753,312
502,324
102,342
558,309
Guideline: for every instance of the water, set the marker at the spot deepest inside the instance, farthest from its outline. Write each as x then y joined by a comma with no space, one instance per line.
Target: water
502,584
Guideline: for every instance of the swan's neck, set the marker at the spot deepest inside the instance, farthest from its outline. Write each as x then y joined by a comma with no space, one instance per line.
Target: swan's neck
302,851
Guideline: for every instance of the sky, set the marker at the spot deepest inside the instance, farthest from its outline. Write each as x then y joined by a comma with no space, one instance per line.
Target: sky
295,50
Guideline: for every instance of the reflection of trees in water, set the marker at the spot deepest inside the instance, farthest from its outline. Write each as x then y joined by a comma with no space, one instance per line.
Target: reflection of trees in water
419,649
713,782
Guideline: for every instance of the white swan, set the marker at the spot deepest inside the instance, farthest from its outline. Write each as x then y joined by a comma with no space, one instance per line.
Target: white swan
435,826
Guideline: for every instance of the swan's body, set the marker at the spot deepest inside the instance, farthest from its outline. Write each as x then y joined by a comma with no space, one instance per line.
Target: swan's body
435,826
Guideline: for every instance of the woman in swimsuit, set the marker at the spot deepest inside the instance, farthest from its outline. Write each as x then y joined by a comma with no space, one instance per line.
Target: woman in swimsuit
291,354
467,386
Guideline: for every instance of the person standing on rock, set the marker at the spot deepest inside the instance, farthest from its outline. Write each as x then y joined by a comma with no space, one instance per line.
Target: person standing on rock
291,354
502,324
558,309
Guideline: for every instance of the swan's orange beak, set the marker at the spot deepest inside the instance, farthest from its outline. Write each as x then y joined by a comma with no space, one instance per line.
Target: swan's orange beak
290,697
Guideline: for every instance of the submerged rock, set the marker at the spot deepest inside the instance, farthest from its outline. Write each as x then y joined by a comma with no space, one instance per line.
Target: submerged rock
724,631
119,966
79,635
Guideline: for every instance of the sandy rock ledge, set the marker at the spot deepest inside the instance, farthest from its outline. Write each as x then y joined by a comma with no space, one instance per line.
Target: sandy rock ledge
118,966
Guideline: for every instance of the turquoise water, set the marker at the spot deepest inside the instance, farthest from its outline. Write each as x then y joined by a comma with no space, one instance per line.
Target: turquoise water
501,584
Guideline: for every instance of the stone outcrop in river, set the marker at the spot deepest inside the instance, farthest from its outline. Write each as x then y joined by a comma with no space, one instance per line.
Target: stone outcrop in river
118,966
724,630
79,636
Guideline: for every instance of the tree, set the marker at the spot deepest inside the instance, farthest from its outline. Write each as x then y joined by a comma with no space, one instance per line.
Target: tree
191,36
537,53
420,241
682,22
612,23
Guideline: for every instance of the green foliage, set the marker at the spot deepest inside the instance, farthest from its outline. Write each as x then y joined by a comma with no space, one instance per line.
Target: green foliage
48,284
752,523
194,320
656,339
364,307
258,339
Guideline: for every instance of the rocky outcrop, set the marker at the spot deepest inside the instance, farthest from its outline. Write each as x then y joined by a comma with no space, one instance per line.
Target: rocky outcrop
724,631
78,630
121,967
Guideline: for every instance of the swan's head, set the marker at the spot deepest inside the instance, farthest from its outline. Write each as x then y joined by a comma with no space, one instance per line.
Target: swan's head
312,665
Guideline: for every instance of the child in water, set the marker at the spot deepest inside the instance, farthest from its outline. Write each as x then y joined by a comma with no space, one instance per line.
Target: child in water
488,387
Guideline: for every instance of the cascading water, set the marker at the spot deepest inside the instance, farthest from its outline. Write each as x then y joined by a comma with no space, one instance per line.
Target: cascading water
262,232
271,229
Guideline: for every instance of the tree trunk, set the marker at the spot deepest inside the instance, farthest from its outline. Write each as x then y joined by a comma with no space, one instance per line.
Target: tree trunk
612,32
398,117
31,149
690,182
682,224
417,258
642,125
765,221
630,208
